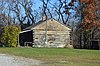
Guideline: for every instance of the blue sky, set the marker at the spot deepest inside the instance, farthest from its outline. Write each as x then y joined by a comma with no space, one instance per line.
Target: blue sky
38,3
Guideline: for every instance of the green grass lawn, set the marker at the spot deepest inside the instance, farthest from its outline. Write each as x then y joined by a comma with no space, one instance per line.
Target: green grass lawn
58,56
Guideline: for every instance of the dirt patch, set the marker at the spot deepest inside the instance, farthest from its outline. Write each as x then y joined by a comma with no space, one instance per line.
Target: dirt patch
7,60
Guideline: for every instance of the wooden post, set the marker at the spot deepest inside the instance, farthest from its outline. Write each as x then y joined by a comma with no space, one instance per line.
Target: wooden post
99,44
46,33
18,42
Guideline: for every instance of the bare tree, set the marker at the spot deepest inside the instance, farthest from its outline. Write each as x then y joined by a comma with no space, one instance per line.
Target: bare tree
62,9
23,11
44,9
27,5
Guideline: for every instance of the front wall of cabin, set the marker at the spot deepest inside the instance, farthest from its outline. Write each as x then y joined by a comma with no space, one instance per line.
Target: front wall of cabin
51,34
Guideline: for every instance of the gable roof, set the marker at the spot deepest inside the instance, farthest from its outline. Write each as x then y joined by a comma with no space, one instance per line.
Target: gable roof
41,22
30,27
49,21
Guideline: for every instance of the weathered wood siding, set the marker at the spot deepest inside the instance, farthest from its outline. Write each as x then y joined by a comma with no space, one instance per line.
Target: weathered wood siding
51,34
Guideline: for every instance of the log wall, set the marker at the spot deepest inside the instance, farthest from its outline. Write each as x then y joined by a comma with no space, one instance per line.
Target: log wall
51,34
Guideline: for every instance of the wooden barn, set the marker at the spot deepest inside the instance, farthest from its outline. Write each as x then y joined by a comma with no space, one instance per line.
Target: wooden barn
47,33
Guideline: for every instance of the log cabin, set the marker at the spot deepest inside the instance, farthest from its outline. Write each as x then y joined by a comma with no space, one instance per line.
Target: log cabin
47,33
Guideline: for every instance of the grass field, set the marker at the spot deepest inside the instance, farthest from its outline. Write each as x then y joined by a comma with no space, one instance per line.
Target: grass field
58,56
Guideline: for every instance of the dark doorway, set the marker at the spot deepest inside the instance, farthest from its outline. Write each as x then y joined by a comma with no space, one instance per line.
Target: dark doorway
26,37
95,45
